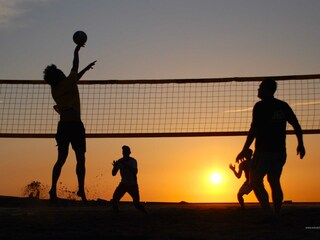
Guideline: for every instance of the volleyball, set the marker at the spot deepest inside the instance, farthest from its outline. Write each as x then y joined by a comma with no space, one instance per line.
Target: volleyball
80,37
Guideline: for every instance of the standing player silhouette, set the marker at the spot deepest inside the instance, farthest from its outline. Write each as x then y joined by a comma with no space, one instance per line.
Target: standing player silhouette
268,129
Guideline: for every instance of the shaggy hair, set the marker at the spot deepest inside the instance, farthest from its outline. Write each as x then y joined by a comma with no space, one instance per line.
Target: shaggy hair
52,75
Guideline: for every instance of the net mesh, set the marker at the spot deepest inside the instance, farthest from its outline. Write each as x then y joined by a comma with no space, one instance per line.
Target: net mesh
155,108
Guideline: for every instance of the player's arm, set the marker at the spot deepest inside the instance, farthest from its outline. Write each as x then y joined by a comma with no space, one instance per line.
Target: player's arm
83,71
251,136
298,131
116,167
75,63
300,148
233,168
239,173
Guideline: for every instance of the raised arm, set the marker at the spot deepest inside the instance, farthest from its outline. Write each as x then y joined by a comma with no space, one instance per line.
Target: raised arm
116,167
75,63
237,174
90,66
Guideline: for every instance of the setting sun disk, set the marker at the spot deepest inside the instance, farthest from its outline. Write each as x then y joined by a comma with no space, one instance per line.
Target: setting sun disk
215,178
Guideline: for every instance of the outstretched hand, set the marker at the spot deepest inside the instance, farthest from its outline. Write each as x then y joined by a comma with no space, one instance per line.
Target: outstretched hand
79,46
232,167
301,151
90,66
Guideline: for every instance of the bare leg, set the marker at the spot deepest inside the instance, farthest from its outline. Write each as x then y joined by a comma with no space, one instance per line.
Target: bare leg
81,172
62,156
277,194
259,190
134,193
240,199
117,195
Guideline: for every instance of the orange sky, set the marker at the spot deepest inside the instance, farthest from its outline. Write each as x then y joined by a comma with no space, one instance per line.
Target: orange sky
170,169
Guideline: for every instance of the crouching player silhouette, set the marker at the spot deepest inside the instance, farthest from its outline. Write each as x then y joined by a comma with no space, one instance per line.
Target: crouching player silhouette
129,184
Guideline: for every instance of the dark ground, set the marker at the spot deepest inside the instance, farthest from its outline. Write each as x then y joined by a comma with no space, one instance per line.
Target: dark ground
22,218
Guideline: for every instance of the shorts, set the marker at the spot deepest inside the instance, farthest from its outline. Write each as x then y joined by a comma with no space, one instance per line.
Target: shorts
71,132
245,188
123,188
268,163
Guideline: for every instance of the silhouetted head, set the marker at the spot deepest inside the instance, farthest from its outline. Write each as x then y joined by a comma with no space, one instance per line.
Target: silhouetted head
52,75
267,88
126,151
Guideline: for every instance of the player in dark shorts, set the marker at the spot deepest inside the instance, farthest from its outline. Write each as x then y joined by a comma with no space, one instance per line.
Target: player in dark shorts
268,128
128,170
65,93
244,166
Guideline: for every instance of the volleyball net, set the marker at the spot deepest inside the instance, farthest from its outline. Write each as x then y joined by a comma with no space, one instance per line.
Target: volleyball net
156,108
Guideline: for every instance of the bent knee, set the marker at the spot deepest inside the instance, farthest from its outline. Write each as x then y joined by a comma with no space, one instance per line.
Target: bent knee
62,157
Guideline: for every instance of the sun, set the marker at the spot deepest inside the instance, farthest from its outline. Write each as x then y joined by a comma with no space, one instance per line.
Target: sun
215,178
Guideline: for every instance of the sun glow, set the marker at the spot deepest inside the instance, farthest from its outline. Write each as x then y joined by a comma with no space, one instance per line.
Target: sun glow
215,178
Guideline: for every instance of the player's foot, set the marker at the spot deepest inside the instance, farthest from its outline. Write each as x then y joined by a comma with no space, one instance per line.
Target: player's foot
140,207
53,195
82,195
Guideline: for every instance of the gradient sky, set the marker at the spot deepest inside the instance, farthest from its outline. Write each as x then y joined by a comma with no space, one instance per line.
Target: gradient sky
151,39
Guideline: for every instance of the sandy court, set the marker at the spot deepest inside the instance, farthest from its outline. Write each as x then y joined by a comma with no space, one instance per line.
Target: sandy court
27,219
